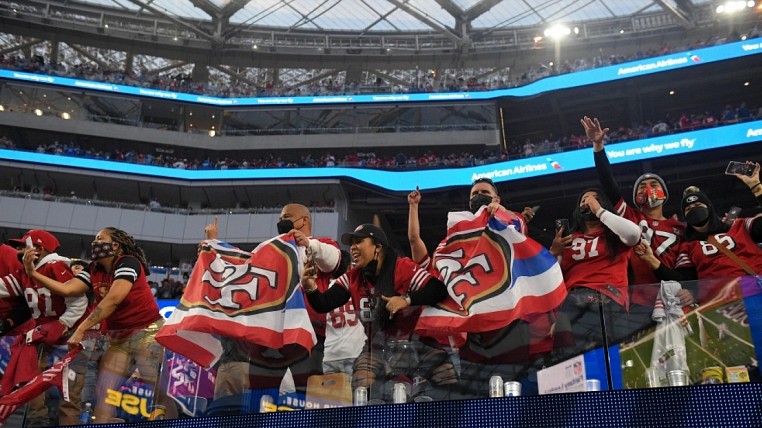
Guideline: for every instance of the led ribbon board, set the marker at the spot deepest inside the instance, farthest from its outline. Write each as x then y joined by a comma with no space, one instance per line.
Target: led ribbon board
611,73
398,181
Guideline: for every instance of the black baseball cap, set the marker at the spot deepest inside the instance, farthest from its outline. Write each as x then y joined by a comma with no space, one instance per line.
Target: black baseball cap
366,230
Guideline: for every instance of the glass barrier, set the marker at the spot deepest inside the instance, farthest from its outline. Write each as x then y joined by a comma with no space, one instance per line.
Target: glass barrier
694,332
588,343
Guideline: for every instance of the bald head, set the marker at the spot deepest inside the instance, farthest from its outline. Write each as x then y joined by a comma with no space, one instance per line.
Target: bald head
299,215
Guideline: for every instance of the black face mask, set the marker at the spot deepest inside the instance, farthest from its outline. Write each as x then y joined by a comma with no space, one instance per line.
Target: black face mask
587,215
478,201
369,271
284,226
697,216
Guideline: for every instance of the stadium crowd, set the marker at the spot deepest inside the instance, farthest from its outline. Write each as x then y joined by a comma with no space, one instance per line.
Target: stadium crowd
368,313
81,67
401,160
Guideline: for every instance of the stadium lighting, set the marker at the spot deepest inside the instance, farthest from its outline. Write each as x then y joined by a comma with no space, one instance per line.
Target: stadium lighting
2,107
38,112
65,116
212,132
734,6
557,31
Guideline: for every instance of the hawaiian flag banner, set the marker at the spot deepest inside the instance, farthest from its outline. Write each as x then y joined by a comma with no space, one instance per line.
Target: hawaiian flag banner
494,274
53,376
254,297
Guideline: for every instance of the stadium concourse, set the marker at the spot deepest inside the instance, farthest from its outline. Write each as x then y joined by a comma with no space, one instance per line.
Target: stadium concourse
246,120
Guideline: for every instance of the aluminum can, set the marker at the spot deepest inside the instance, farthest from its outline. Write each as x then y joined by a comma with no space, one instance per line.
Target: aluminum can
496,386
712,375
265,403
592,385
677,378
157,413
399,394
361,396
512,389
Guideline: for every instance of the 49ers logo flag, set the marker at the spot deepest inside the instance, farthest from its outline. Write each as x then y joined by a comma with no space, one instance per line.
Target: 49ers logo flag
494,276
253,297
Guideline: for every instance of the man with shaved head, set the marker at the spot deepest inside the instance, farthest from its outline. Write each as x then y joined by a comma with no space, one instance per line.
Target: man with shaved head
244,365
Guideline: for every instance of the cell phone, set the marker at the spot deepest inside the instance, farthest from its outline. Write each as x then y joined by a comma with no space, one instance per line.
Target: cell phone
732,214
29,242
741,168
563,222
536,208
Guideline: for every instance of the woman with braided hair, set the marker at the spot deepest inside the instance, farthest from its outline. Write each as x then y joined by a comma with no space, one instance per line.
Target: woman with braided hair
125,310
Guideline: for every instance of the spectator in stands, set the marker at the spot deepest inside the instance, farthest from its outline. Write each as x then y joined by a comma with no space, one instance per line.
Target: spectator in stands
54,316
383,285
594,256
663,234
127,309
700,256
15,317
245,365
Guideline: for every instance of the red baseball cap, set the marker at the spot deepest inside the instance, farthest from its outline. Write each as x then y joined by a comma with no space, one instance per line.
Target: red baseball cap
39,237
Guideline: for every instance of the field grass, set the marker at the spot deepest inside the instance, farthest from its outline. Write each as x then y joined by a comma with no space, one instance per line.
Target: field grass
724,341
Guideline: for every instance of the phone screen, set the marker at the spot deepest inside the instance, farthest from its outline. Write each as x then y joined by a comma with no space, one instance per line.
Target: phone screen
563,222
739,168
29,242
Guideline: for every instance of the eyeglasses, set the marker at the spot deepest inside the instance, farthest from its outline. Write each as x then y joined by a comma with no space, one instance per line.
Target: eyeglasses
484,180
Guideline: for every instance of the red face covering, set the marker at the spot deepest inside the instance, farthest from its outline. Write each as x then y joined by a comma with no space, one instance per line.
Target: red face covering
653,196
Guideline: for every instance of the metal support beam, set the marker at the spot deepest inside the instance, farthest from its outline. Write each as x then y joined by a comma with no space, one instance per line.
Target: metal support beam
317,78
453,9
167,67
391,78
20,47
684,17
232,73
89,56
181,23
480,9
428,21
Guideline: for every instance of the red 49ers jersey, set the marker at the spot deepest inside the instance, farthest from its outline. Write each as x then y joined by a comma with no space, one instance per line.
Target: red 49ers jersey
586,263
664,237
710,262
408,276
138,309
44,305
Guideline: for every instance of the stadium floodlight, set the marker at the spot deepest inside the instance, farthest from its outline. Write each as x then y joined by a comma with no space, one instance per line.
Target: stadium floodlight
557,31
2,107
734,6
212,132
65,116
38,112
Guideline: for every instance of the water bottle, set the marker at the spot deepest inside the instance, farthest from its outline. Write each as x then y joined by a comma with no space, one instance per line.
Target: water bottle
86,417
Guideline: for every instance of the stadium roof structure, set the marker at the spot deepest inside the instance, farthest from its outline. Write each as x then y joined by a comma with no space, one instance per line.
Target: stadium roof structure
361,16
297,42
